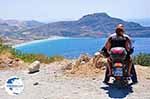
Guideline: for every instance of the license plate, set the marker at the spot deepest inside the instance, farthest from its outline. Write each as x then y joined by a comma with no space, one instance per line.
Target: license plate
118,72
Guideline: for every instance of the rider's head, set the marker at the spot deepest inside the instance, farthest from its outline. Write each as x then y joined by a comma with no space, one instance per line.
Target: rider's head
120,29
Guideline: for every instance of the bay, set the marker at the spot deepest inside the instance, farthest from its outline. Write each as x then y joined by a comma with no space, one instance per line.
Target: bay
73,47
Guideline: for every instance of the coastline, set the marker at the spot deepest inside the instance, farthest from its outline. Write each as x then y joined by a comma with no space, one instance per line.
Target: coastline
41,40
24,42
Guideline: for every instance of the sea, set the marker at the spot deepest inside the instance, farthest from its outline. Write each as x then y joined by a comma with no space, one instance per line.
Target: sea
74,47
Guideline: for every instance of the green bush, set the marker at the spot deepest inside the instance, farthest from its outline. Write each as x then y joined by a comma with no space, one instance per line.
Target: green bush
4,48
142,59
32,57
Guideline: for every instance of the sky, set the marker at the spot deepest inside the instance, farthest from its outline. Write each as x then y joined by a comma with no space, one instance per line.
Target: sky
58,10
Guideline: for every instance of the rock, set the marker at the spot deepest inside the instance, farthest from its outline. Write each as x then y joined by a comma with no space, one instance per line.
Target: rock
4,65
103,68
10,62
83,62
2,87
93,78
36,83
6,62
17,59
69,66
86,65
72,72
99,61
84,58
34,67
97,54
148,78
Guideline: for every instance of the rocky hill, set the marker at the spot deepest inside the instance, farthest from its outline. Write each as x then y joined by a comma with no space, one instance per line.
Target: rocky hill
10,29
92,25
15,25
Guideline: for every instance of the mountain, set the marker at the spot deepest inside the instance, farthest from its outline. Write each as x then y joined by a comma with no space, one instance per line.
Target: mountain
10,29
18,25
144,22
32,24
92,25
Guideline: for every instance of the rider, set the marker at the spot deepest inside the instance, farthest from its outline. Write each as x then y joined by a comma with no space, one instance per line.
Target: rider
119,39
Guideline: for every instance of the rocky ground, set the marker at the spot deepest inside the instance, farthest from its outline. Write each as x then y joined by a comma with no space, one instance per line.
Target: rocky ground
62,80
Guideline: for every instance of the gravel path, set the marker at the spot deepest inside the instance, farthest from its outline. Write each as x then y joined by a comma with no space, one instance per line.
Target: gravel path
53,84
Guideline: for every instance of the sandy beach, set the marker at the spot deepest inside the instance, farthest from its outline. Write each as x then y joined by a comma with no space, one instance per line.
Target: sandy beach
37,41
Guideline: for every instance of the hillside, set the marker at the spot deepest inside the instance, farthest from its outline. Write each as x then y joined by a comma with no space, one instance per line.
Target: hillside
10,29
144,21
92,25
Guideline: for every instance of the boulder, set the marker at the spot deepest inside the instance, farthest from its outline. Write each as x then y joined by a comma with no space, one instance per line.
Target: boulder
34,67
98,60
69,66
84,58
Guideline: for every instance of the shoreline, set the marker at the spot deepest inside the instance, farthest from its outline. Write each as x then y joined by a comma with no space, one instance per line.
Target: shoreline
41,40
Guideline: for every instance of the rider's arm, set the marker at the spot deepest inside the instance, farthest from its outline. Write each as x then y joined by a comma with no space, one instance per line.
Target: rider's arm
108,44
129,46
105,49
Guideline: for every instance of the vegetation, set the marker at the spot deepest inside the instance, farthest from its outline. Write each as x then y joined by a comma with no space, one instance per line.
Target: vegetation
142,59
5,49
34,57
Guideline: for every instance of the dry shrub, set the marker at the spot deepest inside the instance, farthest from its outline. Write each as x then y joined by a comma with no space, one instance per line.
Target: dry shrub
86,68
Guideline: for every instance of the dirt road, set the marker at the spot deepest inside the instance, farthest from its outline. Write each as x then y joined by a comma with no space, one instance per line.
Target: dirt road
53,84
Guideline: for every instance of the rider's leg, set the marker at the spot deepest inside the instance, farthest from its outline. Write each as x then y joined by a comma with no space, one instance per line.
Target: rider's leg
109,66
106,78
134,75
108,71
129,61
131,70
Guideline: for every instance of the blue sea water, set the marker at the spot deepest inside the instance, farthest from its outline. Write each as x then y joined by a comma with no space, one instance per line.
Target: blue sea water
73,47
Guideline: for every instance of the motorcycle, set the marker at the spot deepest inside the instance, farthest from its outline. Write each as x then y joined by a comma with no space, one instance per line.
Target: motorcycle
119,66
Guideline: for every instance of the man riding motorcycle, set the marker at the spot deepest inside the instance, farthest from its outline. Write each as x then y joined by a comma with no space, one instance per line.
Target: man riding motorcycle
119,39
